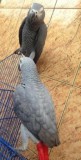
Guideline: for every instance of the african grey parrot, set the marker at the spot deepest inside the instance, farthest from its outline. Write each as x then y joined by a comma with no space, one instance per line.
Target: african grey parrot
34,106
33,32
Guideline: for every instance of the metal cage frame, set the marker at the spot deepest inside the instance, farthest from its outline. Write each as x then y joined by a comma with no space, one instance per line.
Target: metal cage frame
9,132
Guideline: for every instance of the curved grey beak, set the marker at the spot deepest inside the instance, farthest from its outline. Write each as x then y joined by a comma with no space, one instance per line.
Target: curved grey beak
19,67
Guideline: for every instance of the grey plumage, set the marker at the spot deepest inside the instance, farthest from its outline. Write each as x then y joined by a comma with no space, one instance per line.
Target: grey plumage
33,32
34,106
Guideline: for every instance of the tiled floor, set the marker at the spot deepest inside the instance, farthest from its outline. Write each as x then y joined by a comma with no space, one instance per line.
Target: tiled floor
59,67
70,130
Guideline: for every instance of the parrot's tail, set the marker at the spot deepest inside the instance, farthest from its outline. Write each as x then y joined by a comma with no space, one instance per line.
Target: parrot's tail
42,151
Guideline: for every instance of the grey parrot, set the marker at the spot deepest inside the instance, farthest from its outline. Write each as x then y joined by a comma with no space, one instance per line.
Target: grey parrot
34,107
33,32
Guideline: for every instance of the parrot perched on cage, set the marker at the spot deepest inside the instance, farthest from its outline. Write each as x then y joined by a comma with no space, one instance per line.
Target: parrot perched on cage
33,32
34,107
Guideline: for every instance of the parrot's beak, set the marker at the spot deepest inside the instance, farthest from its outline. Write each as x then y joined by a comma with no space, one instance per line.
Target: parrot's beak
32,15
19,67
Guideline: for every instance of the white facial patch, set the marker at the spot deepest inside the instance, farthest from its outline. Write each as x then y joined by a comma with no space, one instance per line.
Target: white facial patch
34,10
41,9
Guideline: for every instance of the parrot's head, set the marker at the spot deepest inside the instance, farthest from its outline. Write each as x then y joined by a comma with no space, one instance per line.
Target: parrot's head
36,13
28,70
26,64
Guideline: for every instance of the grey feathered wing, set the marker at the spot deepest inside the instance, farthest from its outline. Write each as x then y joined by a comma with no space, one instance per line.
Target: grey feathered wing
20,35
37,114
40,40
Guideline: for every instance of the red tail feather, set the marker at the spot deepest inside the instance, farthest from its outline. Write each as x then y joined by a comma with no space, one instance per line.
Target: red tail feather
46,154
42,151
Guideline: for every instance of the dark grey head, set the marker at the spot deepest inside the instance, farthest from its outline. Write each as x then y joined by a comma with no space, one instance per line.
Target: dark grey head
36,13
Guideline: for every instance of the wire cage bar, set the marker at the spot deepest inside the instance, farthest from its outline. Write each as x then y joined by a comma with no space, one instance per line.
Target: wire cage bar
9,123
7,152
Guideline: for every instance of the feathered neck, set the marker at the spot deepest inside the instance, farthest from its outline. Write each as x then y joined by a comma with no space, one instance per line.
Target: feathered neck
34,26
29,75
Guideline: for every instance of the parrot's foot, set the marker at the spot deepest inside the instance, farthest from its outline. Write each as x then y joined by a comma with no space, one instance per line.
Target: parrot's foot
19,52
